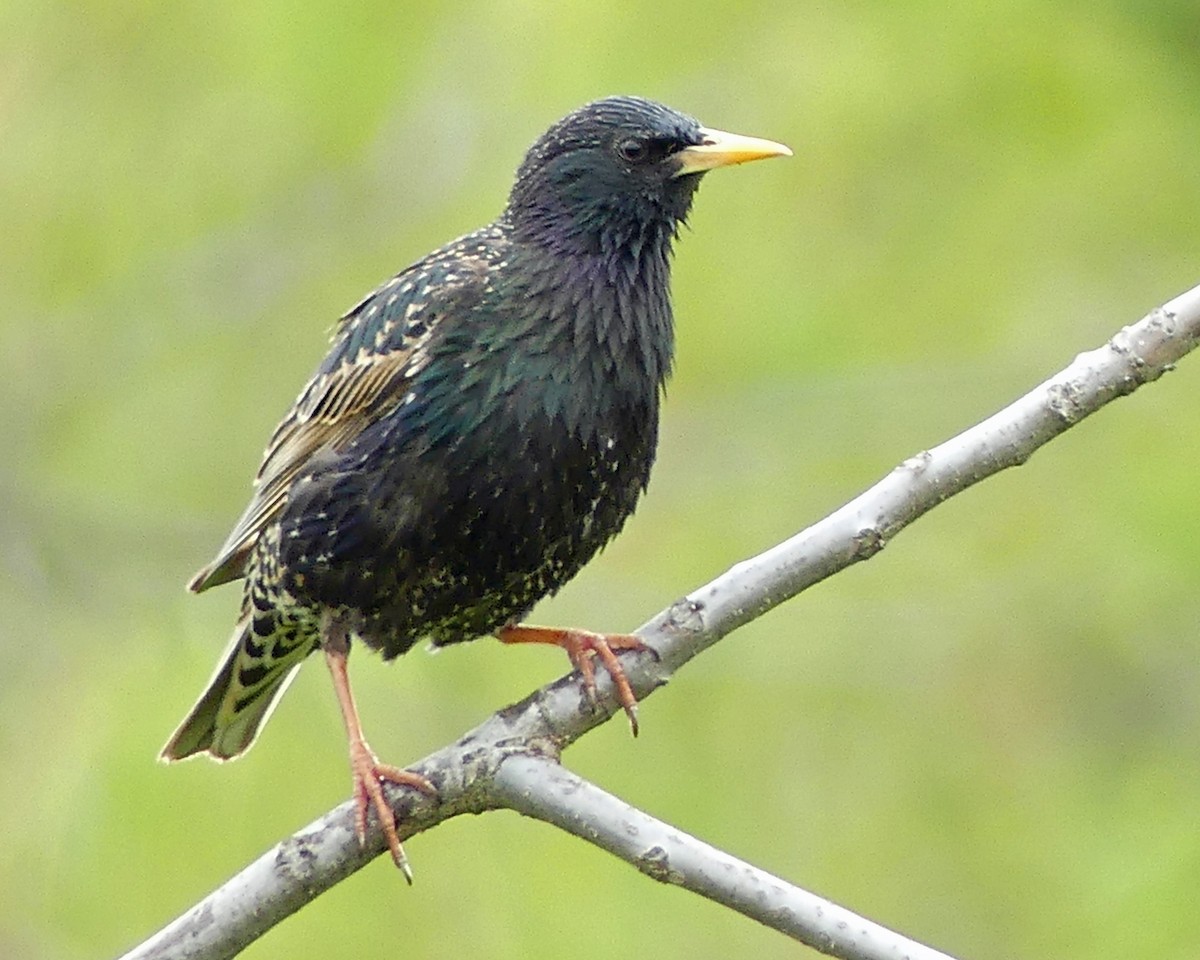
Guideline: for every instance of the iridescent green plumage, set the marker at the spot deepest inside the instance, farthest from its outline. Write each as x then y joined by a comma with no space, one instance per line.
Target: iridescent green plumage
484,422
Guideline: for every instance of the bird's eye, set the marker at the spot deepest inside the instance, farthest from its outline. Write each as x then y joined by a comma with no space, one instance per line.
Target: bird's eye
633,150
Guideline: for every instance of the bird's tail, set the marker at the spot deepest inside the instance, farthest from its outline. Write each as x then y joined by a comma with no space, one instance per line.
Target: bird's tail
253,673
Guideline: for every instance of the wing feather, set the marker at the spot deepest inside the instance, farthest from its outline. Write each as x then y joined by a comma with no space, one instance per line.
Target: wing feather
335,408
379,346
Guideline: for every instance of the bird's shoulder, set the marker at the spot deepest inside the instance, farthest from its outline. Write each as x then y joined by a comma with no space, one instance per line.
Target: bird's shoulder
401,312
378,347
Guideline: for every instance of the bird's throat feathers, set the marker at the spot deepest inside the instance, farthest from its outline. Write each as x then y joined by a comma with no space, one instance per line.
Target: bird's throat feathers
597,271
609,310
567,215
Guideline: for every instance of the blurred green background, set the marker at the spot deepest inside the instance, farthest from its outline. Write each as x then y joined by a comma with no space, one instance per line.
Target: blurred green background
986,737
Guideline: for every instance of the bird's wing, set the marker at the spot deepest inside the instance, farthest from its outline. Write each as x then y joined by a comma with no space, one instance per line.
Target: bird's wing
335,408
378,347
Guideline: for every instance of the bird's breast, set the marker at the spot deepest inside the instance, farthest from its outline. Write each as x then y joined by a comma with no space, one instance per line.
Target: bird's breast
522,447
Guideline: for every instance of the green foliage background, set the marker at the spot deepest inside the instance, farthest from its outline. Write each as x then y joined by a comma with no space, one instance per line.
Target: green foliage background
985,737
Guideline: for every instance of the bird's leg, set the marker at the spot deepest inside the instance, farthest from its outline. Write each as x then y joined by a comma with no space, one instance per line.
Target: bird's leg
582,646
368,772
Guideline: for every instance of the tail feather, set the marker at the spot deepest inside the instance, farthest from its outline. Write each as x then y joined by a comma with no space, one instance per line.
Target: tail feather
252,676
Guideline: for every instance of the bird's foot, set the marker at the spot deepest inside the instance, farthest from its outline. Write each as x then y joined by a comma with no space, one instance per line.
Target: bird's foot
369,774
369,777
584,648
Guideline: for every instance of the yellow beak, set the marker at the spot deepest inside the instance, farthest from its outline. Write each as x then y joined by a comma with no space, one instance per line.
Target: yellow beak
721,149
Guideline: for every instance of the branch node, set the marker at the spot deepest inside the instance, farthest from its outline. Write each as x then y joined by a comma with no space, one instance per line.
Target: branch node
686,616
1063,399
656,864
917,464
868,542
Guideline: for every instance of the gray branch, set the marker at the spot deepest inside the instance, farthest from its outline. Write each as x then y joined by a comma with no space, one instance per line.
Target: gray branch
545,790
512,759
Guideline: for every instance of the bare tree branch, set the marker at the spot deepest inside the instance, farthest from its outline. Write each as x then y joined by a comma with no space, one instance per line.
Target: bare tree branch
495,764
547,791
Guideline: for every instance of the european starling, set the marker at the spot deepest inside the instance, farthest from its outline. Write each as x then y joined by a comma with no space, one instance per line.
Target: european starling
484,422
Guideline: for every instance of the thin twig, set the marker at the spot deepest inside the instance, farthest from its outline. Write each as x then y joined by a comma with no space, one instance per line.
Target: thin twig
466,773
547,791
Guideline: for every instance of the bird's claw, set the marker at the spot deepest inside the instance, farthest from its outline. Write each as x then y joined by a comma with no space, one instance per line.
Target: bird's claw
585,648
369,777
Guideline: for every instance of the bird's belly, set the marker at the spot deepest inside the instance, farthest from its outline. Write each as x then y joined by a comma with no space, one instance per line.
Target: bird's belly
506,531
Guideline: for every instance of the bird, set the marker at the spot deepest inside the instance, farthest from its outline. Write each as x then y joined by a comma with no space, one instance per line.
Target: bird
483,423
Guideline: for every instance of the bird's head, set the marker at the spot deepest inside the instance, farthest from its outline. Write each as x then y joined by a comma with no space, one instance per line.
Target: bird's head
619,172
